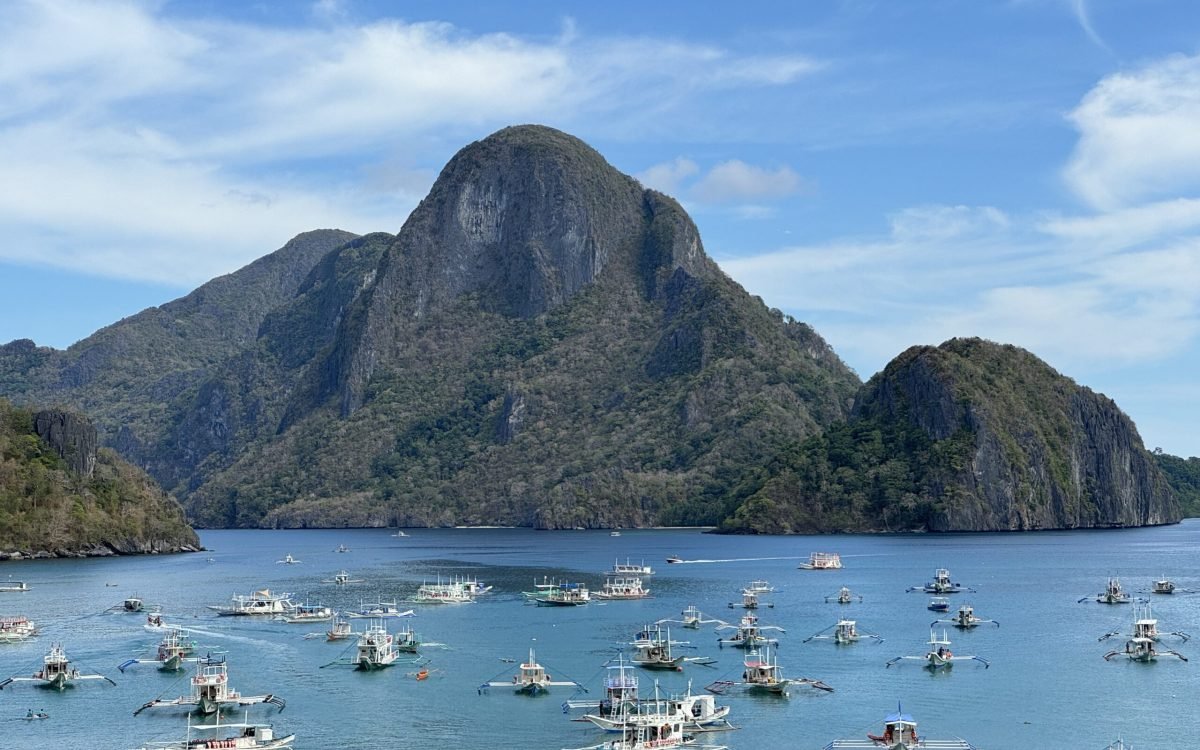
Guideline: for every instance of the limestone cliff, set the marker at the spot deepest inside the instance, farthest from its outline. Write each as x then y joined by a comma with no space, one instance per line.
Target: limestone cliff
61,496
970,435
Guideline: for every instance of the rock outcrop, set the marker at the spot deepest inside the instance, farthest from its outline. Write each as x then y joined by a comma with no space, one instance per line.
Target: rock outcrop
972,436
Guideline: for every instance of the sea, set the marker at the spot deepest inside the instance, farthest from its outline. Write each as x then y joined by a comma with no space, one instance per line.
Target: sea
1047,686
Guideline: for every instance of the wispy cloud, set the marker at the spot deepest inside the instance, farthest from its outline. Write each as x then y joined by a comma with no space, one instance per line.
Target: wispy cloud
182,147
743,190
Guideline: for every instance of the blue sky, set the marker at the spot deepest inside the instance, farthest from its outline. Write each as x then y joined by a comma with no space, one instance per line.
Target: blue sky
893,173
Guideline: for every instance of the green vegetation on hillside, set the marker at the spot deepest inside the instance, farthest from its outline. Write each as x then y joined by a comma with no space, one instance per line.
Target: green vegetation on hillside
1183,474
44,506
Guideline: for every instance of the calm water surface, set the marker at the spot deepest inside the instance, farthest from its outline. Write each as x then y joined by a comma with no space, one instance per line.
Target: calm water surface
1047,687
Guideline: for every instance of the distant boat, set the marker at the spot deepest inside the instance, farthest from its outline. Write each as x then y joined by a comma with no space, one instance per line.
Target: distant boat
288,560
14,587
823,561
56,672
899,733
673,559
261,602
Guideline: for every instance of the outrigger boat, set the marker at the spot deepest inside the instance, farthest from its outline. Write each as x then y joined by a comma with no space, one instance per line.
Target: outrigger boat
376,648
761,674
1112,594
246,736
941,584
56,672
563,595
13,587
1140,646
748,633
621,586
16,629
211,692
692,618
699,712
627,568
407,640
654,650
844,596
131,604
340,630
620,697
342,548
649,730
822,561
471,586
760,587
172,652
938,604
342,578
899,733
441,593
965,619
288,560
379,610
844,632
261,602
939,655
530,679
304,613
1167,586
749,601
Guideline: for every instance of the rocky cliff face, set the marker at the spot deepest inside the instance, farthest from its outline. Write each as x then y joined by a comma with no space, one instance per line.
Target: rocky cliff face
544,343
71,436
1047,453
970,436
61,496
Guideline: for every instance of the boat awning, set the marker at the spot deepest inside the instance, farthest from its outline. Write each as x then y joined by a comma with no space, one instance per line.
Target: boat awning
893,718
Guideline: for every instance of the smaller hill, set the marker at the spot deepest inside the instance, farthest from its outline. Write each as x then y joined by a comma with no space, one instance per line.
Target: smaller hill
967,436
61,496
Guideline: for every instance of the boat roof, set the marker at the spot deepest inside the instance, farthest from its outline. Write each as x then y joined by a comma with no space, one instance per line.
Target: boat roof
895,717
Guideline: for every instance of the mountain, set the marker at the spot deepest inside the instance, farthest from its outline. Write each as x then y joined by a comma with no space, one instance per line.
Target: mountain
969,435
544,342
1183,475
62,496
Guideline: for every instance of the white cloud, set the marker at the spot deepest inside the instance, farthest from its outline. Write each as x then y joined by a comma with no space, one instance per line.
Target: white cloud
1138,135
669,176
148,146
736,181
947,271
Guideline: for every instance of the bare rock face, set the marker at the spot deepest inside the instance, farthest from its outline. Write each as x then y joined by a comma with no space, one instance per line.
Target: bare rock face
1043,452
72,437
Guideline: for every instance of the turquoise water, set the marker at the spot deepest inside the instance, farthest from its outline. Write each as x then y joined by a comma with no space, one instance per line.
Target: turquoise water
1047,686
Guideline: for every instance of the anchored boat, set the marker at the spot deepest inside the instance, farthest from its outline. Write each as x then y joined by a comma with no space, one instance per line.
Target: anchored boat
939,655
13,587
844,596
1112,594
621,586
562,595
941,584
238,736
654,649
376,648
627,568
16,629
530,679
691,618
379,610
899,733
748,633
965,619
844,632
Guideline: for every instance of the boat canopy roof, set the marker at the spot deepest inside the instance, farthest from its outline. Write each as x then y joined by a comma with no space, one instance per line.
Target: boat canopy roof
899,718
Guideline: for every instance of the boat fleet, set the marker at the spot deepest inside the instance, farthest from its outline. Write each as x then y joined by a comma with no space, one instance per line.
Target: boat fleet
640,722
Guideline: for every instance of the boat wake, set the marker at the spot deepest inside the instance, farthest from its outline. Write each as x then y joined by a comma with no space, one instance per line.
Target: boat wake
740,559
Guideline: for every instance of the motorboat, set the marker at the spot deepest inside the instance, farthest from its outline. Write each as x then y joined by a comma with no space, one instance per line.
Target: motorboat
173,651
628,568
673,559
563,595
304,613
965,619
288,560
844,596
13,587
843,632
236,736
761,674
941,584
899,733
748,633
211,692
261,602
750,600
379,610
16,629
1112,594
376,648
822,561
56,672
939,655
654,649
342,578
622,586
691,617
340,630
531,679
938,604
